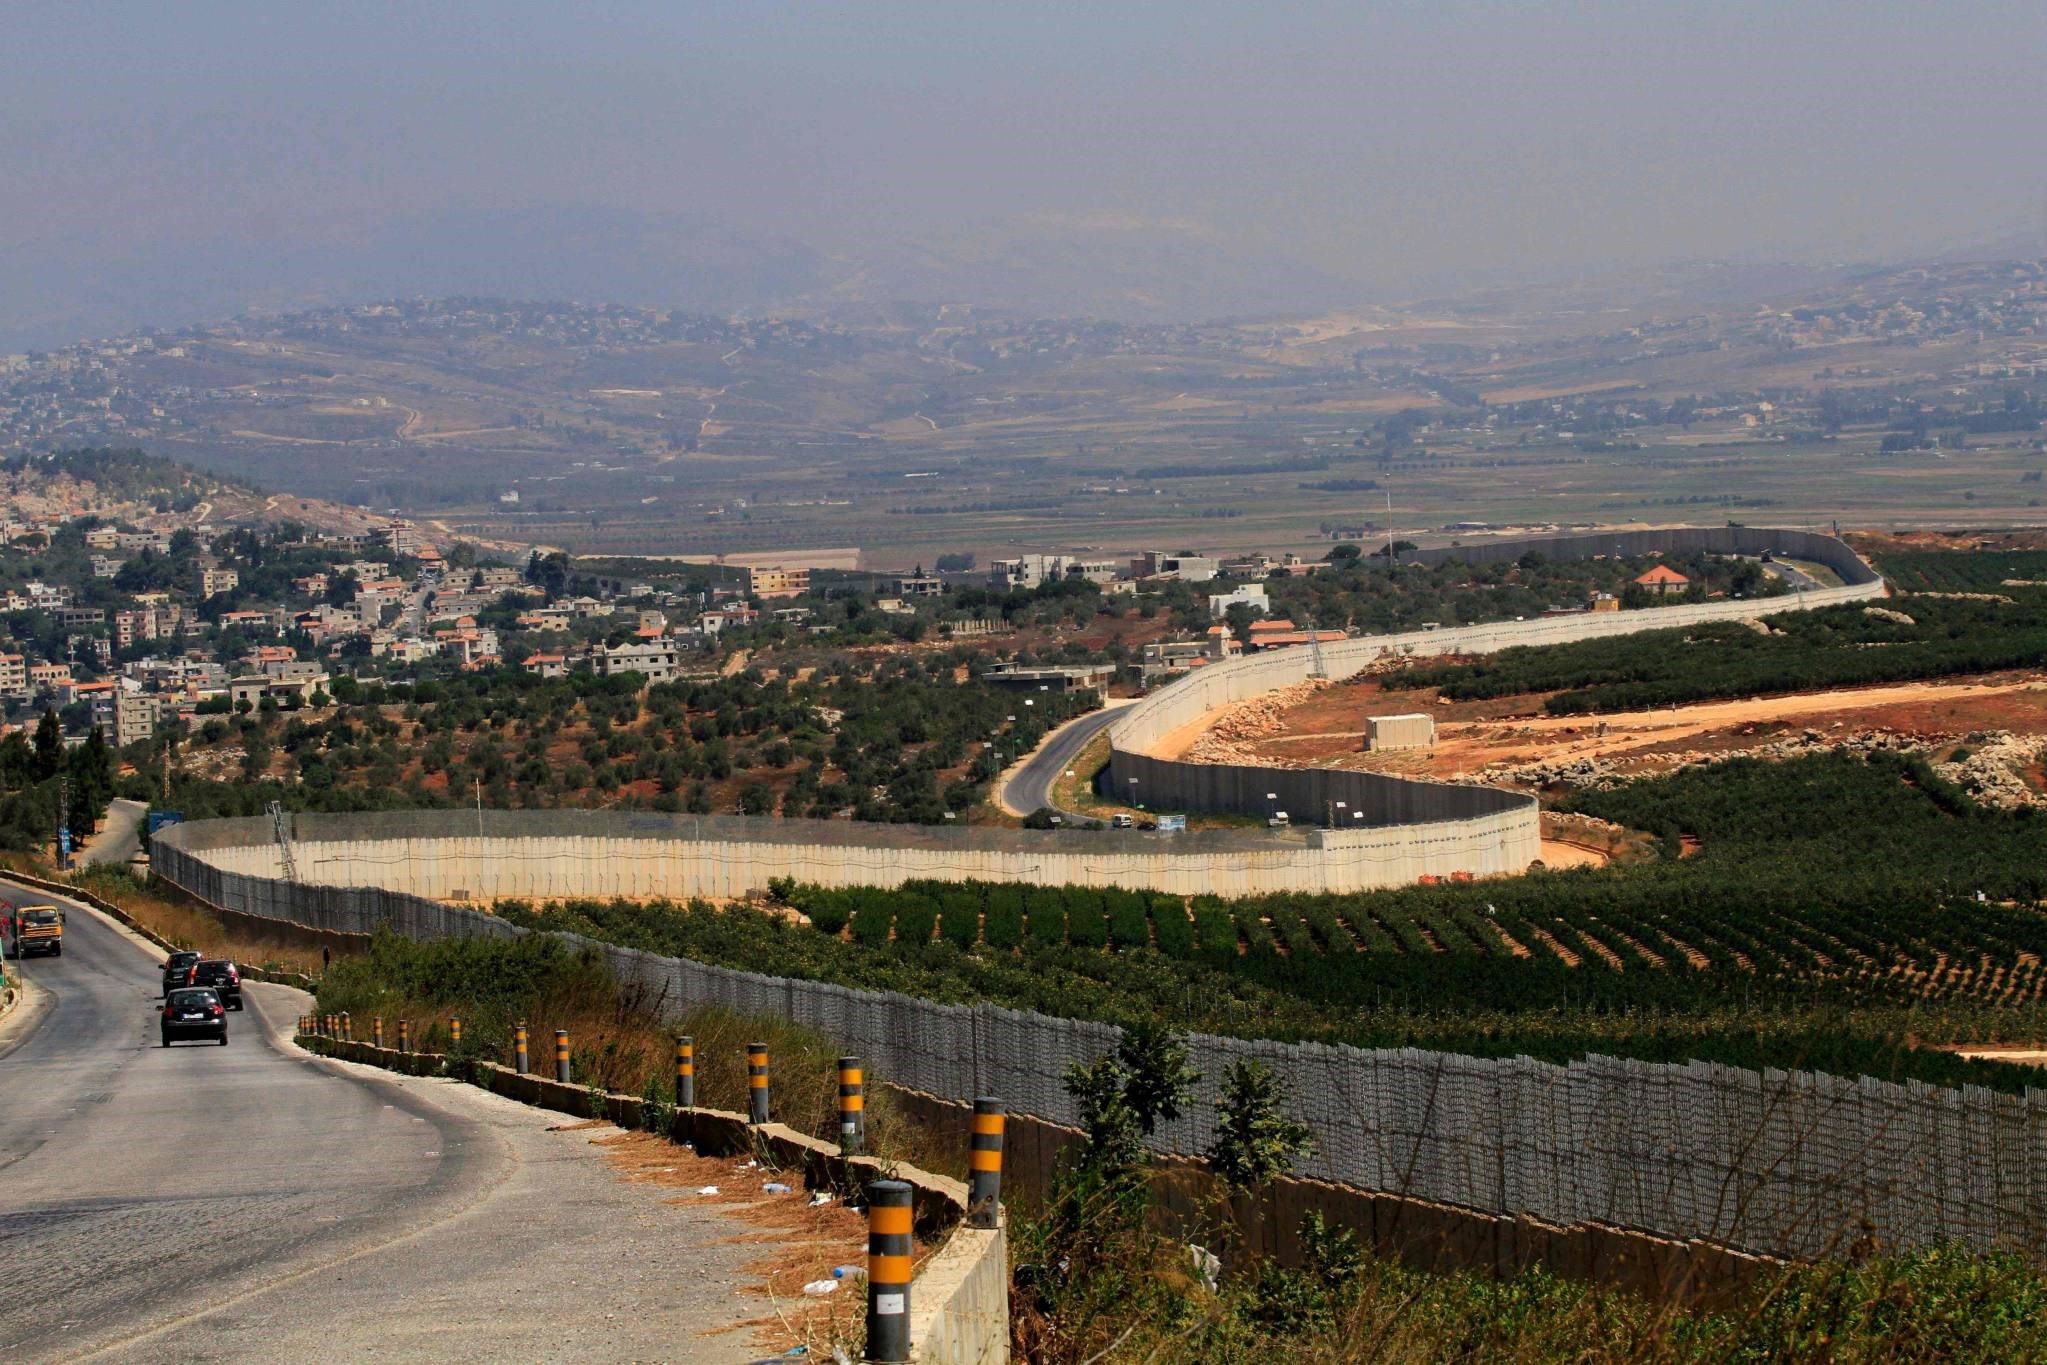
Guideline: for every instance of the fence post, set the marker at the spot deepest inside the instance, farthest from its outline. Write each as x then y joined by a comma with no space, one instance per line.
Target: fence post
561,1055
757,1083
984,1163
377,1030
685,1073
520,1062
852,1105
888,1271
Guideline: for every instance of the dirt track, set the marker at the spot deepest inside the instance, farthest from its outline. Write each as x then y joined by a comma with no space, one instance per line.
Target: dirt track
1490,733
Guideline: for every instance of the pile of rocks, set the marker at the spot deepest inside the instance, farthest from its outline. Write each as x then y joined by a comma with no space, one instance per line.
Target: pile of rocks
1230,737
1990,769
1602,773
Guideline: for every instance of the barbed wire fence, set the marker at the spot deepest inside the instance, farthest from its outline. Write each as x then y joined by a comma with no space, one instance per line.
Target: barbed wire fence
1783,1163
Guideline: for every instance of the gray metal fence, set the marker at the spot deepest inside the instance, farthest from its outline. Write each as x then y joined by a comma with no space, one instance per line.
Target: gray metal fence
1790,1163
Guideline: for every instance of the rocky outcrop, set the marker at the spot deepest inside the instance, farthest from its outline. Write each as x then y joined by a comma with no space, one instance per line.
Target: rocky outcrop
1230,737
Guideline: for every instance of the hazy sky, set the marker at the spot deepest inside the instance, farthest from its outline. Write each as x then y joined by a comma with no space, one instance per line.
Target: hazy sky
1381,141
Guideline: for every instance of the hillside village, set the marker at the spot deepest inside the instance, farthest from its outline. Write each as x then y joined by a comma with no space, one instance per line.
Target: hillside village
133,616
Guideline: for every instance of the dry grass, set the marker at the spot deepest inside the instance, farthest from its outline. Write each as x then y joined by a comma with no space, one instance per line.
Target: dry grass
798,1243
171,915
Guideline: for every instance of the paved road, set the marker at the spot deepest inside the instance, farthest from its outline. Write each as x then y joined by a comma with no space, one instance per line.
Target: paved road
119,837
1798,580
201,1202
1030,787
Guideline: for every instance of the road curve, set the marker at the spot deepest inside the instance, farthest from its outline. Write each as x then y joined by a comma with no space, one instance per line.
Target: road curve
1029,788
204,1202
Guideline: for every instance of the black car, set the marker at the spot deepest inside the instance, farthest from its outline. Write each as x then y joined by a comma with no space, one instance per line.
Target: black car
194,1012
177,969
221,975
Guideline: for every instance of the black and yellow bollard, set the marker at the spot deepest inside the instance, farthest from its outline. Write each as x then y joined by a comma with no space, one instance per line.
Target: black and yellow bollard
561,1055
852,1104
984,1164
377,1030
347,1028
757,1083
888,1271
405,1035
331,1030
454,1033
685,1073
521,1063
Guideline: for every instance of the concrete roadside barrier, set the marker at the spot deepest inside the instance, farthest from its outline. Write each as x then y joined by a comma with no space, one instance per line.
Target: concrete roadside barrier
961,1291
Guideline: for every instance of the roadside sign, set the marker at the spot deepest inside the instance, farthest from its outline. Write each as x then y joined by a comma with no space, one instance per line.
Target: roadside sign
64,840
1172,824
159,818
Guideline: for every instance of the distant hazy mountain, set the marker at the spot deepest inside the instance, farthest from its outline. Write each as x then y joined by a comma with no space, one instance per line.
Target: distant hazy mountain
1104,267
1107,267
55,295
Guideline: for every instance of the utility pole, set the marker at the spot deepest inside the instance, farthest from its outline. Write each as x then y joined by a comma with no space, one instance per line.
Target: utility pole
1389,530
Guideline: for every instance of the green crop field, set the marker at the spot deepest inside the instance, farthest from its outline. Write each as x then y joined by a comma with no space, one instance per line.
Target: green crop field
1845,646
1782,942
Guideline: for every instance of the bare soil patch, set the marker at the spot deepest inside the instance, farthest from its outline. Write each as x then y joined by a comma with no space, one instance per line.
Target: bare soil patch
798,1243
1326,729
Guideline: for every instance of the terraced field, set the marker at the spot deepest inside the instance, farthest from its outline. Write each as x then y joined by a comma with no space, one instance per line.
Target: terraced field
1988,953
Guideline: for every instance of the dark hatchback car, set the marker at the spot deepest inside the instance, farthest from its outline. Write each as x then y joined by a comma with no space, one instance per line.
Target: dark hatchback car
177,969
220,974
194,1012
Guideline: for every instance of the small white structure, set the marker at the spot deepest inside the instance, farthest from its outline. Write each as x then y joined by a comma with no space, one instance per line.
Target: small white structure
1252,595
1416,730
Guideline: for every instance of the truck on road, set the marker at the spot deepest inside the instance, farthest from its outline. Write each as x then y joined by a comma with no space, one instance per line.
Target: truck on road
32,929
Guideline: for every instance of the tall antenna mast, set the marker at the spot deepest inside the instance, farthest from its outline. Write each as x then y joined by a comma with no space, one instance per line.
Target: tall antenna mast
1389,530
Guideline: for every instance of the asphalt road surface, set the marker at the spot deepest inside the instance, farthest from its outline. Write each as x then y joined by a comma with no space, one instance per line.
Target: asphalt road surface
203,1202
1031,787
120,834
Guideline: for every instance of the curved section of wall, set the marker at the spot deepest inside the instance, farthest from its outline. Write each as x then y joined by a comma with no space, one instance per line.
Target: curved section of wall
1172,784
553,855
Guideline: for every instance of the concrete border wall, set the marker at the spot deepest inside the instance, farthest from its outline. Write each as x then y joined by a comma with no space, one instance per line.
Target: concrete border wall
550,855
1172,784
1793,1164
